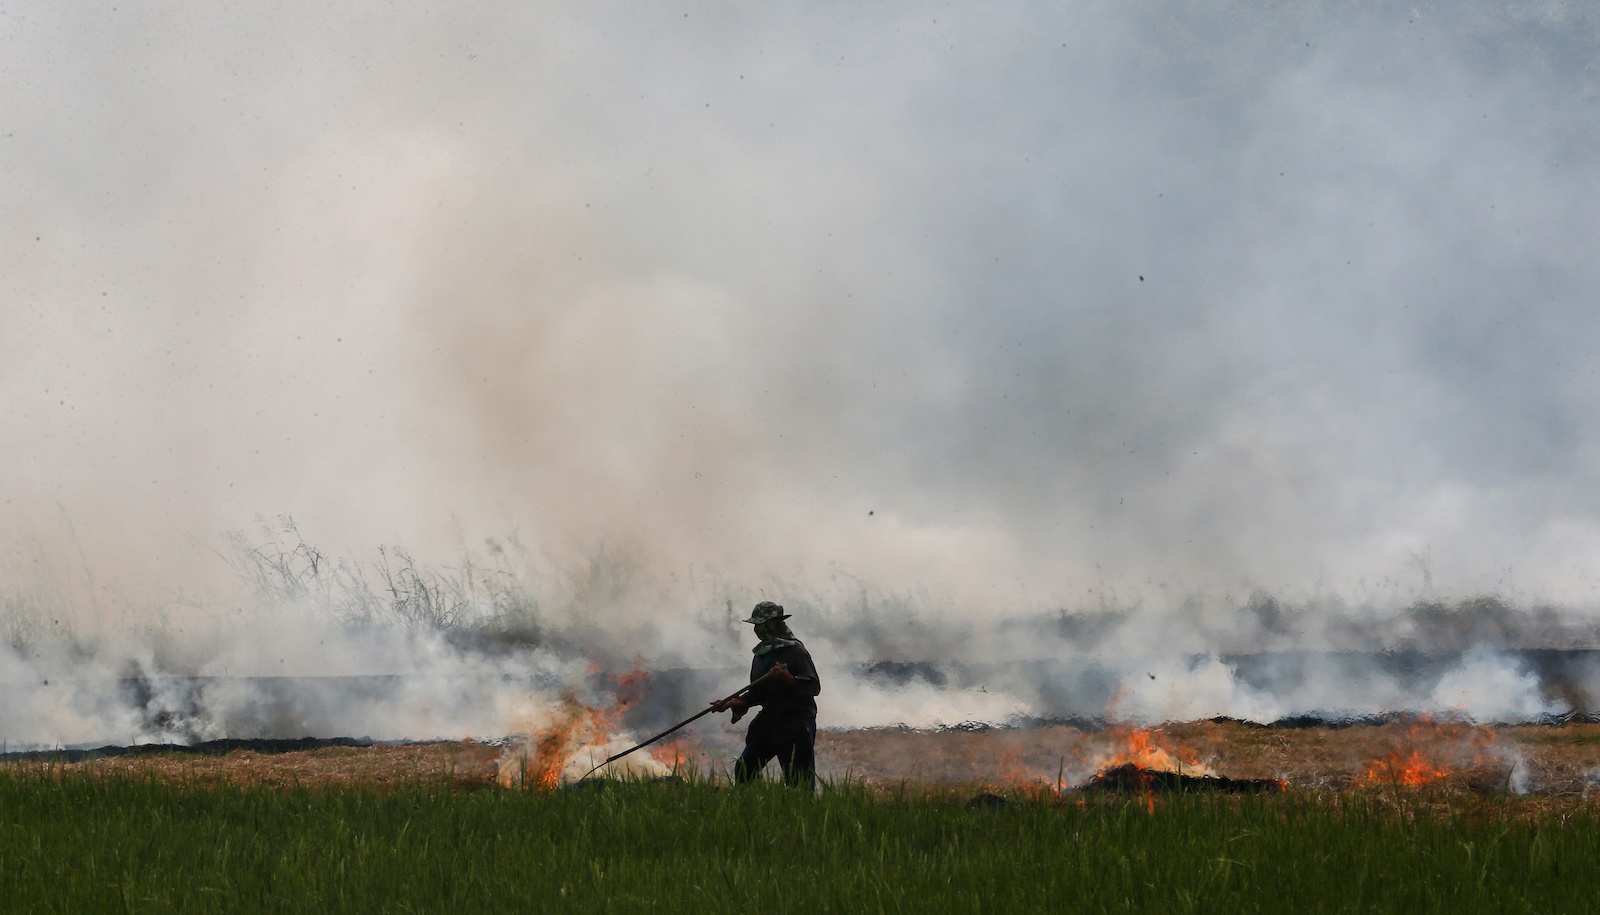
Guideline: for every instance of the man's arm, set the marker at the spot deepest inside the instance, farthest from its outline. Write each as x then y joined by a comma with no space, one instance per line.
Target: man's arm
782,679
801,681
793,677
741,704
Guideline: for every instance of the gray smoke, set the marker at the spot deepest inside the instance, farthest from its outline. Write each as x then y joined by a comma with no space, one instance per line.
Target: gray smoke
1128,332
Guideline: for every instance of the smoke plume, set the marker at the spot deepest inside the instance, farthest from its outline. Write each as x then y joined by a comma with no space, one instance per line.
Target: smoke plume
1179,359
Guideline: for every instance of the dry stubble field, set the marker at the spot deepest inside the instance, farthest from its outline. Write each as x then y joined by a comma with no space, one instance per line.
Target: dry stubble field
1544,760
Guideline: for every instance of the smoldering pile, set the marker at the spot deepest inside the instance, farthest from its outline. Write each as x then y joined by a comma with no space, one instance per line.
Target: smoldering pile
1134,777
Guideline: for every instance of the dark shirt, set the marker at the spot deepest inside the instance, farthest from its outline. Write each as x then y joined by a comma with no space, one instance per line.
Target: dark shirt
783,706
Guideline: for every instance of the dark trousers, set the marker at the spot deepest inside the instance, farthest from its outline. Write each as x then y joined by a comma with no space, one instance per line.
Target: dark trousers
794,747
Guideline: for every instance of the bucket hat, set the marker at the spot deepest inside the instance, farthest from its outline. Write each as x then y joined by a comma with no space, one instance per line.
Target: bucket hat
766,611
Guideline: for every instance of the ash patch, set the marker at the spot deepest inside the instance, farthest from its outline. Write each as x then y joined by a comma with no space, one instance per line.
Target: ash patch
1130,777
264,746
903,673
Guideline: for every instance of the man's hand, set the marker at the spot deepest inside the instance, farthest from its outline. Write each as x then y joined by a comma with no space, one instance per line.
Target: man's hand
722,705
780,672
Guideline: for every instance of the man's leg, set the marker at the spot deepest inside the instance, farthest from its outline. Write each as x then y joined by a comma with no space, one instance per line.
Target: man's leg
799,759
757,753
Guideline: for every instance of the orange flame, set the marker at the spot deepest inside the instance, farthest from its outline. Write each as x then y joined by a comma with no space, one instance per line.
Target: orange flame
1013,771
1147,749
538,758
674,751
1410,769
1142,747
1428,752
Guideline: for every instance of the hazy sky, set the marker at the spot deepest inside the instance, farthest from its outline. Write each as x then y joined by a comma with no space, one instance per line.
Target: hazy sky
999,303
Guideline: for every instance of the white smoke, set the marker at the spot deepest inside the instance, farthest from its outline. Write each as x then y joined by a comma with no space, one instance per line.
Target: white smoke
934,324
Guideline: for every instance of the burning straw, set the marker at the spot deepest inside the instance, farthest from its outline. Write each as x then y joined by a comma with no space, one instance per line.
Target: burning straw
1144,761
560,740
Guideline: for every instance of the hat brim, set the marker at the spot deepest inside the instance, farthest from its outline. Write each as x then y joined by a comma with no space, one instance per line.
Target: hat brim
770,618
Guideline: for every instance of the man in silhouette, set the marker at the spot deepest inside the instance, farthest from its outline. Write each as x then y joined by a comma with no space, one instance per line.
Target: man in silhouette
786,726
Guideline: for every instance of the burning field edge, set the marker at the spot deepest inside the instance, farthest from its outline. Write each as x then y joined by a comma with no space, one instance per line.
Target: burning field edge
1443,757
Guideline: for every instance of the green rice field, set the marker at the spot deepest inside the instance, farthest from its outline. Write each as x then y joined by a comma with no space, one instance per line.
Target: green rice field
74,842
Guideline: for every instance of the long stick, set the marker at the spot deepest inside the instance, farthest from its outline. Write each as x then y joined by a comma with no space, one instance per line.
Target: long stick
706,711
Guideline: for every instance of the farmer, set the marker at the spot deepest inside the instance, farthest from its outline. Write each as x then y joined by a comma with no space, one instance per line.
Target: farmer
786,726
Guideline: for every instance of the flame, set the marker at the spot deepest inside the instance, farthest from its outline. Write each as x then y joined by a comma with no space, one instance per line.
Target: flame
555,736
1147,750
1428,751
1410,769
1013,771
537,758
673,752
1144,747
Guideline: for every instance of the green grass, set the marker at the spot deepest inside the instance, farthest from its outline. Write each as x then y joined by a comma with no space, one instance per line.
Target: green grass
79,843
